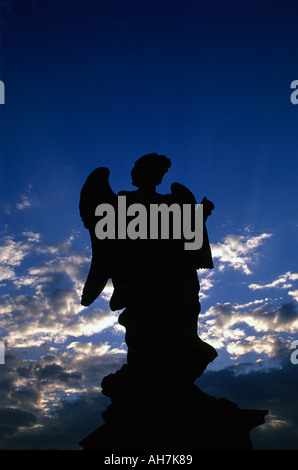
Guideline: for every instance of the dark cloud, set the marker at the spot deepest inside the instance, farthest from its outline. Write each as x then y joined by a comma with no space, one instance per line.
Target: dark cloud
287,313
273,389
62,429
11,419
26,371
28,421
57,373
71,382
68,376
269,317
25,397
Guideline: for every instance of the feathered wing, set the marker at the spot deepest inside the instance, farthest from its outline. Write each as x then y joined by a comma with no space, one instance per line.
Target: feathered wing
201,258
95,191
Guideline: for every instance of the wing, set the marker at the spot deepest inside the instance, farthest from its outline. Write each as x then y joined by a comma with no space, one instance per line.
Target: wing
95,191
201,258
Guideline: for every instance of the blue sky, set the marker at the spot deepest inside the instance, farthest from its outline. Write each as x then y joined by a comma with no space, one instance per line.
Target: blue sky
91,84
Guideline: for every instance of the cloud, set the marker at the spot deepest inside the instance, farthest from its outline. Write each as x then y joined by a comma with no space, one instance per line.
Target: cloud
56,402
284,281
57,355
270,346
11,419
57,373
272,389
53,315
53,401
24,204
6,273
62,429
250,304
266,317
261,329
41,316
294,293
238,251
26,199
48,306
12,253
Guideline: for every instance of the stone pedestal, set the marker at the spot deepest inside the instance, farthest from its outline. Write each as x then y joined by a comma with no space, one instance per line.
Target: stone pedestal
159,416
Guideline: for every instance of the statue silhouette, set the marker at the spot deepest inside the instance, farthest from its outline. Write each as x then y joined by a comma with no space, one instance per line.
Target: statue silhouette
156,285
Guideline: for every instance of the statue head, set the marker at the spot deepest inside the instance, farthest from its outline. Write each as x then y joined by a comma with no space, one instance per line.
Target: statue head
149,170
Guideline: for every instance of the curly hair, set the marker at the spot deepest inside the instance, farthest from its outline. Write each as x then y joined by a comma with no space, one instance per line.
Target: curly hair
150,169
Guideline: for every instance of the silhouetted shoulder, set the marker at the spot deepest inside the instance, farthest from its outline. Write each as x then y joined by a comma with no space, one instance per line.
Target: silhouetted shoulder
182,193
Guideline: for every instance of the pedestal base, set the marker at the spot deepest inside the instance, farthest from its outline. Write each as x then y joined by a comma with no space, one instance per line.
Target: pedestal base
184,419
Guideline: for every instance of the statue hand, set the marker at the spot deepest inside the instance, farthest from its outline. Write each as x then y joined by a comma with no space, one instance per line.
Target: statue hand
208,207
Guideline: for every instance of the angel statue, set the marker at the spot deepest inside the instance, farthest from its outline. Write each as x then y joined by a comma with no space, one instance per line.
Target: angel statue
155,280
155,403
